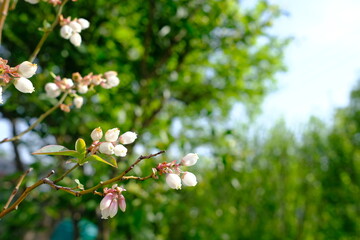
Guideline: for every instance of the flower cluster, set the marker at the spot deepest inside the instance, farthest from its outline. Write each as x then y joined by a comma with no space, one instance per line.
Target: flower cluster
113,144
71,29
20,74
174,175
80,85
112,201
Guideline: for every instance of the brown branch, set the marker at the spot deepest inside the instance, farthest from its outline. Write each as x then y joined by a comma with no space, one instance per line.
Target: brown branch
52,184
3,14
16,188
39,120
47,32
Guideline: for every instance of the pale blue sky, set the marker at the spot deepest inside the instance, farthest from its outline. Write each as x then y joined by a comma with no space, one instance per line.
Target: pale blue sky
323,60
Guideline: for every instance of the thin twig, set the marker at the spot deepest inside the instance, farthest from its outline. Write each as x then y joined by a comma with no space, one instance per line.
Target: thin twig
16,188
3,14
46,180
47,32
39,120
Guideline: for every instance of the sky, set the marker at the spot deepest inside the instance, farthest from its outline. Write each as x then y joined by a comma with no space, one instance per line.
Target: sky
323,59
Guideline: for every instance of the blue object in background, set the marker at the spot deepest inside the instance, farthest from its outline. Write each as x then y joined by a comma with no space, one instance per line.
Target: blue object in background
65,230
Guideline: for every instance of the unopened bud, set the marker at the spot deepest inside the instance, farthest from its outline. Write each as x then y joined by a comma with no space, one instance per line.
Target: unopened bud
128,137
76,27
190,159
66,31
107,148
52,90
112,135
84,23
96,134
78,101
173,181
82,88
75,39
189,179
27,69
120,150
24,85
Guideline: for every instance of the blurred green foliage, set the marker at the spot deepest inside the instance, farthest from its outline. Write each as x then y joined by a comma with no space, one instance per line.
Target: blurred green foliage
183,65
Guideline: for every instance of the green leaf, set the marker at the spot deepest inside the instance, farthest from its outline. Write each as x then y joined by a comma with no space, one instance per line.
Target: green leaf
110,160
80,147
56,150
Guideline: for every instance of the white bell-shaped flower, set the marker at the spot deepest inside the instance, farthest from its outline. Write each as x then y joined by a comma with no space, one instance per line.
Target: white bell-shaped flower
107,148
189,179
76,27
27,69
75,39
190,159
96,134
52,90
24,85
173,181
112,135
84,23
78,101
82,88
128,137
66,31
120,150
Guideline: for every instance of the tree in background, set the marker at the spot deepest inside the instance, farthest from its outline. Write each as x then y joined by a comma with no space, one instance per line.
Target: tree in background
182,67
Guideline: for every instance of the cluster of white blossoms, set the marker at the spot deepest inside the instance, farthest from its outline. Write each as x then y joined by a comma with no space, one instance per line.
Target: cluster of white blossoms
19,74
71,29
113,144
112,201
174,175
80,85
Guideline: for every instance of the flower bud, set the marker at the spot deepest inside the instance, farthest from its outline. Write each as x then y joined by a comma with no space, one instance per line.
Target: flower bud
76,27
189,179
27,69
122,203
84,23
24,85
106,201
82,88
120,150
190,159
52,90
32,1
173,180
112,135
107,148
75,39
78,101
128,137
66,31
68,82
1,99
96,134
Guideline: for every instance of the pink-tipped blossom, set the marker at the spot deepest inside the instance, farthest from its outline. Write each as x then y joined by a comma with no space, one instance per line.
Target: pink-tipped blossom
112,201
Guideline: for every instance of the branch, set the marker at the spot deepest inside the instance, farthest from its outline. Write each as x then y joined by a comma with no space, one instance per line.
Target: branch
39,120
3,14
16,188
47,32
46,180
66,173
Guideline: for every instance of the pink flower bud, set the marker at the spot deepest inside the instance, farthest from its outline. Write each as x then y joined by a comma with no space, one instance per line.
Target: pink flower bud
24,85
128,137
96,134
189,179
112,135
27,69
173,181
66,31
106,201
107,148
75,39
190,159
120,150
84,23
122,203
76,27
52,90
78,101
113,208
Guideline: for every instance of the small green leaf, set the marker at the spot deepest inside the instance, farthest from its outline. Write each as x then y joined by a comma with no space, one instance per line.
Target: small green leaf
56,150
103,158
80,186
80,147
